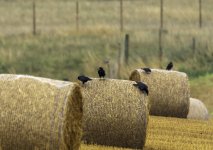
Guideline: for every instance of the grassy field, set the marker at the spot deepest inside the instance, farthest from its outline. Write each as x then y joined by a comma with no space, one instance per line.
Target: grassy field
202,88
173,134
59,50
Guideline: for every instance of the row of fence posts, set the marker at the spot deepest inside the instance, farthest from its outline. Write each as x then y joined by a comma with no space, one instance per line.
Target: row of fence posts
161,31
124,60
126,51
121,15
126,41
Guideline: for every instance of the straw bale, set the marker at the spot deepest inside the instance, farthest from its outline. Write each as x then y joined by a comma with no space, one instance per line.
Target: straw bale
197,110
39,113
115,113
169,91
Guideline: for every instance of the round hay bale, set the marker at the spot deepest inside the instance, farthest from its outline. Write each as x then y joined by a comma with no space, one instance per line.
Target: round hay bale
197,110
169,91
115,113
39,113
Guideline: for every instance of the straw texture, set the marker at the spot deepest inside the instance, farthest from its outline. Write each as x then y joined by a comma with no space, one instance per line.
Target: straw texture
169,92
39,113
115,113
197,110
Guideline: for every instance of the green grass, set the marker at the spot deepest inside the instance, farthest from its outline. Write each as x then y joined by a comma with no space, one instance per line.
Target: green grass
71,53
202,88
59,50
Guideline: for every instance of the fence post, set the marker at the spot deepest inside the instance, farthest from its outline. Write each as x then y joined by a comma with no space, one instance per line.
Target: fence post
34,17
119,61
160,35
107,63
77,15
160,48
193,46
161,14
200,13
126,49
121,15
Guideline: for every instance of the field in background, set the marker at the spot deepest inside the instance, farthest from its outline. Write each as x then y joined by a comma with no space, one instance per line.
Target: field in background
59,51
99,38
202,88
172,133
53,15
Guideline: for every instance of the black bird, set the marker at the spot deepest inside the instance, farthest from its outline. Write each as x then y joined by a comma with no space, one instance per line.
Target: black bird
147,70
169,66
83,79
101,72
143,87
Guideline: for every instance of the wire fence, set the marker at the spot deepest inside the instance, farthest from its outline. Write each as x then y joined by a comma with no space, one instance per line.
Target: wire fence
121,15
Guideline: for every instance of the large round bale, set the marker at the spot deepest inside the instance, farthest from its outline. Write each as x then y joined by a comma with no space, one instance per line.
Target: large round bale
39,113
197,110
115,113
168,91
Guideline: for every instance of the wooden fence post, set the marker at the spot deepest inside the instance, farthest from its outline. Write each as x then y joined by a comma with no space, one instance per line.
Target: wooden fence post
107,63
160,48
126,49
161,14
160,35
193,46
77,15
200,13
119,61
121,15
34,17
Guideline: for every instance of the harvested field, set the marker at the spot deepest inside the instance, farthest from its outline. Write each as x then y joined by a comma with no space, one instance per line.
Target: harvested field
166,133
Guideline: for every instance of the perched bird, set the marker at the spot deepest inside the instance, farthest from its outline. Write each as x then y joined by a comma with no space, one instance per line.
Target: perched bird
169,66
83,79
143,87
101,72
147,70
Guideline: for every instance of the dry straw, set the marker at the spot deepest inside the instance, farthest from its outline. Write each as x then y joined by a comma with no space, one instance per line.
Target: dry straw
197,110
39,113
115,113
168,91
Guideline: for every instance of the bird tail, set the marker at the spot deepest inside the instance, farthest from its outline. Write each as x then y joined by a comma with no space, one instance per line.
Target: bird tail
147,92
